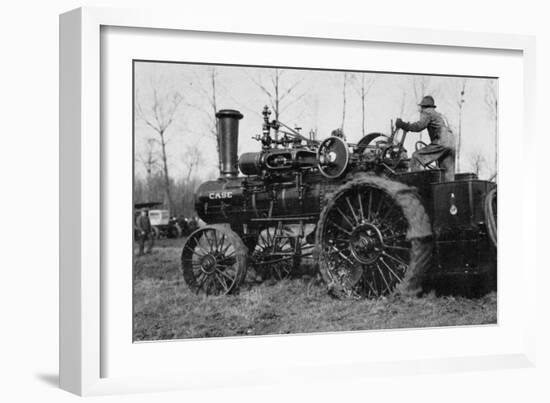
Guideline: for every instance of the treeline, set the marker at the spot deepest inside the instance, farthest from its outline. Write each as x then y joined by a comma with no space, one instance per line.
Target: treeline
182,192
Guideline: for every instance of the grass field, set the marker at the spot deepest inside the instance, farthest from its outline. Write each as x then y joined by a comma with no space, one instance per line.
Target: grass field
164,308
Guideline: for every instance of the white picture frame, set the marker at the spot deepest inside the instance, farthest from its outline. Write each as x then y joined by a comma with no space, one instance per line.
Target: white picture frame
82,305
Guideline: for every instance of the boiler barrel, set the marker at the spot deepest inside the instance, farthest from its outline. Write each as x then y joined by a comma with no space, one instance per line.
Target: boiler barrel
230,200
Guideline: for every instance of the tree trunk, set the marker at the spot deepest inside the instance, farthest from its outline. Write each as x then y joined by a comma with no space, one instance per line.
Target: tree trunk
496,137
459,140
363,129
166,177
149,190
214,111
276,111
344,101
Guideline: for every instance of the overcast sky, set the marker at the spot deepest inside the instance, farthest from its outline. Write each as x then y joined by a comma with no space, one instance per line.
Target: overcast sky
315,102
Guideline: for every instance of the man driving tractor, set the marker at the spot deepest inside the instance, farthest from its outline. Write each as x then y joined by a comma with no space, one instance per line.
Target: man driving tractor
442,142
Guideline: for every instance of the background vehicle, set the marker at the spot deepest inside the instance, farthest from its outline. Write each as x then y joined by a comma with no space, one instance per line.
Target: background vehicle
373,226
164,226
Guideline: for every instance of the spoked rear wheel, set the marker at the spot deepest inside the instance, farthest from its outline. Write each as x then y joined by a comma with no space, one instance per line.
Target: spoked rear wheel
214,260
373,238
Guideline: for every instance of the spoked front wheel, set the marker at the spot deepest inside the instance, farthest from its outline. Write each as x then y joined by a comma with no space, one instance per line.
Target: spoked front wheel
214,260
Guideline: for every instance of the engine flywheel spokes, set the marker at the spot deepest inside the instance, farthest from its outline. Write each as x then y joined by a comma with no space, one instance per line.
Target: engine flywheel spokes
275,254
213,261
364,246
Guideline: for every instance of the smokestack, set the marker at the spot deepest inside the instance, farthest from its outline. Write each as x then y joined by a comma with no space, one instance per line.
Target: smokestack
228,141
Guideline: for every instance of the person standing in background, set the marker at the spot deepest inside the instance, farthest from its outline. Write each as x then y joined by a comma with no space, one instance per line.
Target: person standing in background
145,231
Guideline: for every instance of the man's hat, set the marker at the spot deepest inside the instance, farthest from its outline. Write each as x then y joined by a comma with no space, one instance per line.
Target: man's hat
427,102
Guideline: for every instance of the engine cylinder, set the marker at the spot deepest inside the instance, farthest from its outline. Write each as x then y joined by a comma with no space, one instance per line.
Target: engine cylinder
228,141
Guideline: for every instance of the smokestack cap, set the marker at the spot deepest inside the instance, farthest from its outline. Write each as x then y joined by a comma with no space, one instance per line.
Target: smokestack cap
229,113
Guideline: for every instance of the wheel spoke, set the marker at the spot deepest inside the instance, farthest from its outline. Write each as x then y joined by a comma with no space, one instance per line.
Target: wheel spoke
395,247
208,240
339,227
201,278
221,281
339,240
224,251
345,217
390,270
281,271
370,285
383,277
375,284
394,258
398,222
225,274
202,250
369,209
197,270
391,209
341,254
275,240
215,240
193,251
352,211
264,243
222,242
268,235
380,202
208,284
283,242
360,206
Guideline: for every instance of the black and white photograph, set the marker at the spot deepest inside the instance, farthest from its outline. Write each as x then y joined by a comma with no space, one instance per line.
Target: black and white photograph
270,200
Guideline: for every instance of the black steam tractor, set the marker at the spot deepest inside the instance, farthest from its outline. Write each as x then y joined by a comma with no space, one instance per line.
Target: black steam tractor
372,226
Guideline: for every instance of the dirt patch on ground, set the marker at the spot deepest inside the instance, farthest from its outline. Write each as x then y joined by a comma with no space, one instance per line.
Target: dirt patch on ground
164,308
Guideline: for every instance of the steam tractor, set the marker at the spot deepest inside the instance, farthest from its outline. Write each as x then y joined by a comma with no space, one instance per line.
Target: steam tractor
372,226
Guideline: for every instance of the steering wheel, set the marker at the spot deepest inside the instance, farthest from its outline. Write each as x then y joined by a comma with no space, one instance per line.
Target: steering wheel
368,141
371,143
419,145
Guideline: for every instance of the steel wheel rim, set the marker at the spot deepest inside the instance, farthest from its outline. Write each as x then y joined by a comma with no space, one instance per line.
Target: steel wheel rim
381,265
212,259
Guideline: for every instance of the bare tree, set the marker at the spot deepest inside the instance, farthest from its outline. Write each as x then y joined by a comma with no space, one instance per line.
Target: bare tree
149,161
191,160
422,86
402,103
281,93
345,80
159,115
491,101
461,89
477,162
364,82
210,91
212,95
